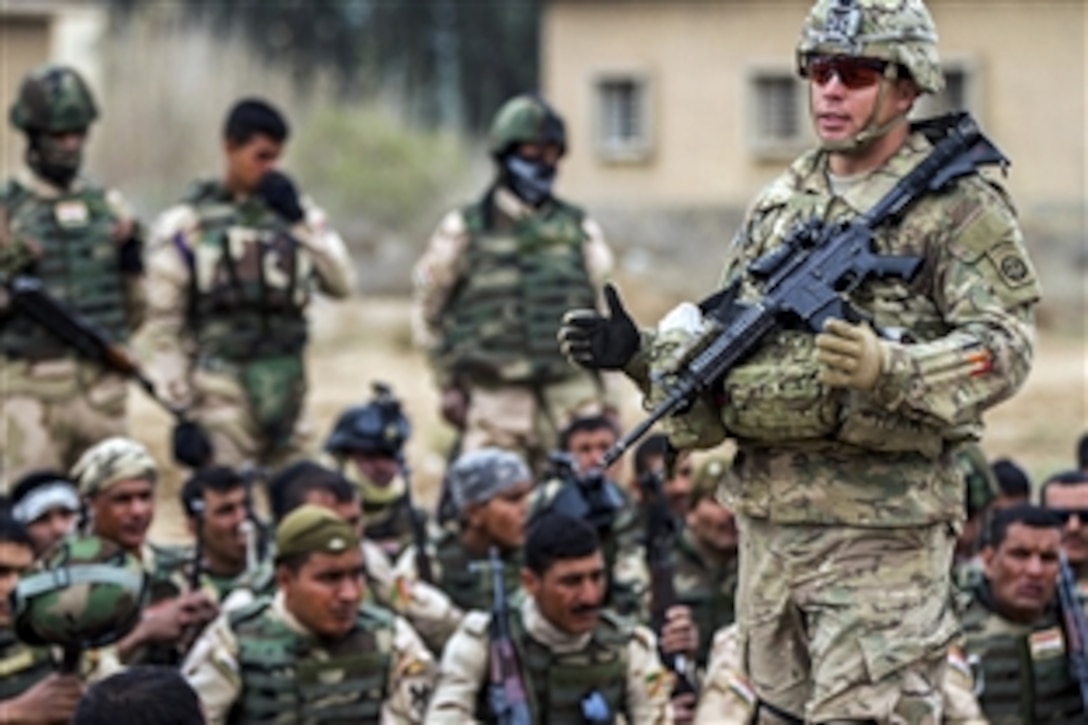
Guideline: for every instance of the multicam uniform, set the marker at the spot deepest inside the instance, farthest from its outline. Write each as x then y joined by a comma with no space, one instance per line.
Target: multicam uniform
55,404
615,660
489,293
229,283
258,663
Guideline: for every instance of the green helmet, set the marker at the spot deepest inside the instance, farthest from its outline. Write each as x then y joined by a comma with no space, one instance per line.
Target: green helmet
54,99
87,592
980,484
898,31
525,119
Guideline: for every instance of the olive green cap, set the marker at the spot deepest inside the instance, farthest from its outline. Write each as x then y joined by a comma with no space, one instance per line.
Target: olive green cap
313,529
708,477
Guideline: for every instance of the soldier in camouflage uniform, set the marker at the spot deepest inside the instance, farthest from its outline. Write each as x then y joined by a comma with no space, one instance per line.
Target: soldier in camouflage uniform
980,492
845,486
1013,626
29,689
117,481
367,447
85,246
1066,494
221,496
493,284
313,652
490,488
578,662
705,558
230,274
48,505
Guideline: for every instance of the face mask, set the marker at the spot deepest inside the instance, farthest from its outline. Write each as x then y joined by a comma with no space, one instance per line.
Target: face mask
530,180
52,162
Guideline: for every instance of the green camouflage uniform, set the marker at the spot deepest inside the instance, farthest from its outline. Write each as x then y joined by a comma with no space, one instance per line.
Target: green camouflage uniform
461,575
229,283
21,666
705,586
1022,671
53,403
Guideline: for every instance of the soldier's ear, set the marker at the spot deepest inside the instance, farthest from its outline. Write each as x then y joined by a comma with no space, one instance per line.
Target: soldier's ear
529,581
988,555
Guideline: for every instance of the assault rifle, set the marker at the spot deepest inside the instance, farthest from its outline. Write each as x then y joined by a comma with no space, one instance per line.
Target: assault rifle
1075,626
391,410
808,278
506,693
589,496
660,534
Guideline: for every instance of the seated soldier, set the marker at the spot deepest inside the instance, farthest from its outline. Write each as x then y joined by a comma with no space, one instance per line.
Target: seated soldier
314,651
705,558
30,690
217,508
577,662
367,445
490,489
1066,494
1013,626
46,503
117,481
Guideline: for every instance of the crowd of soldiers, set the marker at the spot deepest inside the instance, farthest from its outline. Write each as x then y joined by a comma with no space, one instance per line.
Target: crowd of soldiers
857,560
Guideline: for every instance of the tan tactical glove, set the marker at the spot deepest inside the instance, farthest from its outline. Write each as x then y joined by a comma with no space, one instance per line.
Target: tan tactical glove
852,355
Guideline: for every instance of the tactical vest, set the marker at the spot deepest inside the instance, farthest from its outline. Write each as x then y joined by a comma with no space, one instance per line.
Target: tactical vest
523,275
167,573
76,259
558,683
709,592
467,580
1024,679
389,523
21,667
292,678
249,280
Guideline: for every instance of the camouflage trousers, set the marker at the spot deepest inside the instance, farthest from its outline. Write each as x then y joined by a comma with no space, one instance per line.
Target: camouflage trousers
527,420
51,411
221,408
847,623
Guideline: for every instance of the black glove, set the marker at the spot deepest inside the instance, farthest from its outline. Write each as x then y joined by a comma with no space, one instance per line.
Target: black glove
192,447
279,192
597,342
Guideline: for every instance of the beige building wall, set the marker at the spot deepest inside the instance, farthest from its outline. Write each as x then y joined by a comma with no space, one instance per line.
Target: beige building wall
1026,59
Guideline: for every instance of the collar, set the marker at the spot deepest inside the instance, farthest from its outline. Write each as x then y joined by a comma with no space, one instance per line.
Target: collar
547,633
279,610
510,205
45,189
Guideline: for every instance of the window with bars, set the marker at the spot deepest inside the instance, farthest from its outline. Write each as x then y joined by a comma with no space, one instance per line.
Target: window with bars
778,111
623,126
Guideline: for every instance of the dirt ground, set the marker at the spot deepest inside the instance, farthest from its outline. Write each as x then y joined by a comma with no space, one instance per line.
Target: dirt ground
368,339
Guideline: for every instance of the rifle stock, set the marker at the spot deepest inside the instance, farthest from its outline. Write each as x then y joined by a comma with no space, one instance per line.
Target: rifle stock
807,278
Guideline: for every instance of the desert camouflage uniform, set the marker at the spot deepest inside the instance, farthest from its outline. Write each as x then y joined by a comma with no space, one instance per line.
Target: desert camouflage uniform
509,407
53,403
259,662
202,358
615,659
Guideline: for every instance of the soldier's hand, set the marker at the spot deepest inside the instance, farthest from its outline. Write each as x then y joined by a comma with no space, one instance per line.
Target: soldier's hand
278,191
52,700
168,622
453,406
595,341
683,708
851,356
679,635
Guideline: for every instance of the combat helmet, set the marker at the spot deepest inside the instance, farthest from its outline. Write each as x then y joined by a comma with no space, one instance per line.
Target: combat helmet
899,31
53,99
376,427
87,592
525,119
